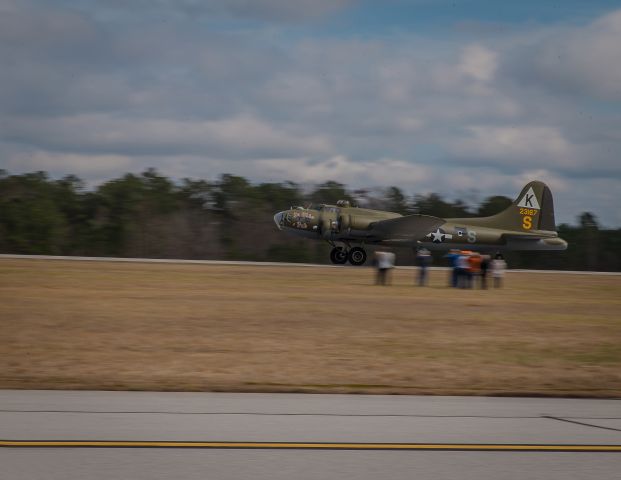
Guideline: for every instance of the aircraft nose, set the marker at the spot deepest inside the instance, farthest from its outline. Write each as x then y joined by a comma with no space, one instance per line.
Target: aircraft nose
278,219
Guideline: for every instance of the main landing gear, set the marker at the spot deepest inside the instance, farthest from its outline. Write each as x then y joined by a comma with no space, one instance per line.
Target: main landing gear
355,256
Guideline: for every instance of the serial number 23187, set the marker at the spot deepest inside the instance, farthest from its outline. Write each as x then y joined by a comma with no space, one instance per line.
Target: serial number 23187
528,211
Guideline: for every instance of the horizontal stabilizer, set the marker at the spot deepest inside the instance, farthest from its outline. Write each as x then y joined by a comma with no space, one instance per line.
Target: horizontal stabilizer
534,242
410,227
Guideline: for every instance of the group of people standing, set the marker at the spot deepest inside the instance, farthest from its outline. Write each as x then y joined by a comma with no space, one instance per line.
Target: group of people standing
469,268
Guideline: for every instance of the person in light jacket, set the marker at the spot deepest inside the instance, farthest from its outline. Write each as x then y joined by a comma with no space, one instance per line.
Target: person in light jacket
499,266
384,262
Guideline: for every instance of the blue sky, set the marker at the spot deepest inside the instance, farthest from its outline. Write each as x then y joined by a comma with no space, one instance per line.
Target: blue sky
465,98
443,17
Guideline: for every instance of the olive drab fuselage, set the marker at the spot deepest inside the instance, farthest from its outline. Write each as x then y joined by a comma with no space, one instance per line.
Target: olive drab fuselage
528,224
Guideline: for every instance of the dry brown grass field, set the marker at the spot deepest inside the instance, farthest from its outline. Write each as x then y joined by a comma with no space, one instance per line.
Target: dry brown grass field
140,326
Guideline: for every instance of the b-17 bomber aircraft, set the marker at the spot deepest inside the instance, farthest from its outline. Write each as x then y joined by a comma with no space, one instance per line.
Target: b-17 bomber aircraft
528,224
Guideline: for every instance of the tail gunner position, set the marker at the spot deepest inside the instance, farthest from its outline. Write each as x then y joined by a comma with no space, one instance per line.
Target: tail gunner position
528,224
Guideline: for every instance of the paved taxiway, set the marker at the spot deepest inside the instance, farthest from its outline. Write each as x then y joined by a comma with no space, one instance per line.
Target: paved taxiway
295,419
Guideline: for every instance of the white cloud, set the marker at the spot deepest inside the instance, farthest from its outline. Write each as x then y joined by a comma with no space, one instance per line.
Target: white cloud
77,164
478,62
526,144
242,135
384,171
583,60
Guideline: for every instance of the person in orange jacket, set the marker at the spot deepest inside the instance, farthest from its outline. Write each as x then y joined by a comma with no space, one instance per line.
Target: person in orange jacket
474,262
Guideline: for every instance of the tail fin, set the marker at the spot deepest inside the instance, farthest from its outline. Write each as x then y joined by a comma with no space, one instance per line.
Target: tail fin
533,209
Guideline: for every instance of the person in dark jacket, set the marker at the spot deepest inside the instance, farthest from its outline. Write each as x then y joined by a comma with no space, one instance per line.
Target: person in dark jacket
423,259
485,266
452,256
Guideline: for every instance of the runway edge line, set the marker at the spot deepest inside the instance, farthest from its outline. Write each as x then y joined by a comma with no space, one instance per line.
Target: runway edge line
309,446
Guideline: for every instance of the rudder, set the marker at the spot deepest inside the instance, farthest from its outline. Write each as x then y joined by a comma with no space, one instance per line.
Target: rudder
533,209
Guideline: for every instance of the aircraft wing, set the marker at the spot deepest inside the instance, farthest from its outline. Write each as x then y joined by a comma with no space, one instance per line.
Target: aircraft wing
408,228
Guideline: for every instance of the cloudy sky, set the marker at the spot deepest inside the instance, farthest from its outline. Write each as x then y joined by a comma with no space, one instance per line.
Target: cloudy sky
467,98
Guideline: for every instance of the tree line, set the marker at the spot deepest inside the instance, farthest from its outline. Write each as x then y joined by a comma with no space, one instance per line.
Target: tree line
149,215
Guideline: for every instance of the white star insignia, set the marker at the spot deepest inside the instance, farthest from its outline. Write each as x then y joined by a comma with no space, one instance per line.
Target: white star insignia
438,235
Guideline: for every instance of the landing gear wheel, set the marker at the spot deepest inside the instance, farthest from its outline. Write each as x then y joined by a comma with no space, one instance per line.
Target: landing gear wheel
357,256
338,255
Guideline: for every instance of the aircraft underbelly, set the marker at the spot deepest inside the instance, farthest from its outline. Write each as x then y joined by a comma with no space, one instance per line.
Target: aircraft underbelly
462,246
302,233
400,243
526,244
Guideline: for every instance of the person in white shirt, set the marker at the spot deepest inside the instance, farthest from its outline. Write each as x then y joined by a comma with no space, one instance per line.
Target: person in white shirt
498,270
384,261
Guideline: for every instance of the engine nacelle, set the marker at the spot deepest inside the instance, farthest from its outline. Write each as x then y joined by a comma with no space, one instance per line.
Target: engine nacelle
353,222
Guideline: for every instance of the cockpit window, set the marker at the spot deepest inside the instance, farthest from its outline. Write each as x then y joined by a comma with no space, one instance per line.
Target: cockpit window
324,208
331,209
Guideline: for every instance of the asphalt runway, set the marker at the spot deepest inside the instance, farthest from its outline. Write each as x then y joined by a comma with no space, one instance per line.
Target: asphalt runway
289,436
